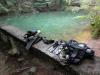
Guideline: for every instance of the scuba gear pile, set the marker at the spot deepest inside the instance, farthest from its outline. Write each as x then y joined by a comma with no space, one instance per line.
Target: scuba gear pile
81,47
76,52
32,38
46,41
68,52
30,34
72,52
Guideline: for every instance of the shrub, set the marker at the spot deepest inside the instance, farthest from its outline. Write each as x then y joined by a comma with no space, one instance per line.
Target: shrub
95,25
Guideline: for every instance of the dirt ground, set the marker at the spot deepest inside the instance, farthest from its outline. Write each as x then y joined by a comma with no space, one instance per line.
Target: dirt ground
85,37
90,67
22,65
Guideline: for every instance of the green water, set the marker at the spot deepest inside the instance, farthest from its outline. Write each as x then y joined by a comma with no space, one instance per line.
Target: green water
55,25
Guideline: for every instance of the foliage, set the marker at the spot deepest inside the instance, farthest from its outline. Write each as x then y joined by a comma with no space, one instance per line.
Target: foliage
95,20
69,2
24,6
95,25
6,5
94,15
3,8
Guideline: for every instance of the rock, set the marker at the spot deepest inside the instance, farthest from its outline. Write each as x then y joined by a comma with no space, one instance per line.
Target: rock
20,59
14,52
76,9
32,71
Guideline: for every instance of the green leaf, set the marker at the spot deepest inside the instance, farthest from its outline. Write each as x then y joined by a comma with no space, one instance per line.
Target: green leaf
9,3
3,8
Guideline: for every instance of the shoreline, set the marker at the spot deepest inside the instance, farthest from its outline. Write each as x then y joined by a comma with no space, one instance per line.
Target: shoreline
86,37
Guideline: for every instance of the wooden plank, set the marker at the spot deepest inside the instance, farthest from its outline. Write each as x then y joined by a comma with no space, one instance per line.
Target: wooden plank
14,31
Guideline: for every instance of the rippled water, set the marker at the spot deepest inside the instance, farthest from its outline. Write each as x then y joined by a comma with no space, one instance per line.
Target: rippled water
55,25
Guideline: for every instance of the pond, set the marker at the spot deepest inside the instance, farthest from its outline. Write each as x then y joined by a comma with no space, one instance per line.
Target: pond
53,25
